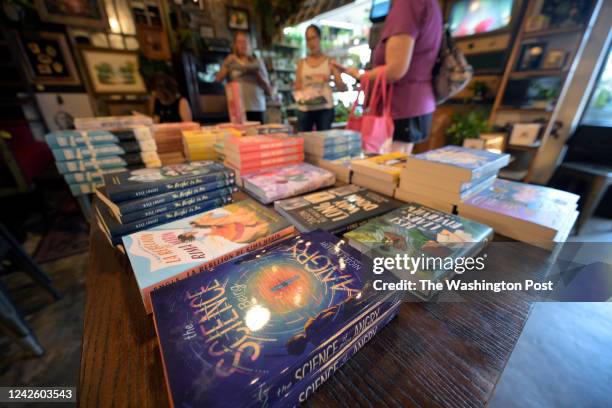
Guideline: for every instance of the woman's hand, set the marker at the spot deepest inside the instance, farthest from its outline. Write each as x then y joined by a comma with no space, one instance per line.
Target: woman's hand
352,71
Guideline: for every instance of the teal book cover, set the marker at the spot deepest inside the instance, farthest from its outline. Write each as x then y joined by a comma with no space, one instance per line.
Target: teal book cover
478,162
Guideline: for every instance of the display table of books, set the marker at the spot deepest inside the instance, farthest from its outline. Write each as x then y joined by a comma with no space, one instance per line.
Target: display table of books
452,353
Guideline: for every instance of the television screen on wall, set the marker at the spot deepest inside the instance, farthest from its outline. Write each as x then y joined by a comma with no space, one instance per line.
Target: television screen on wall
473,17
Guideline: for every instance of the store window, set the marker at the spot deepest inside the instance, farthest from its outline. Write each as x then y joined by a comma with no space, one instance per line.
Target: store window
599,110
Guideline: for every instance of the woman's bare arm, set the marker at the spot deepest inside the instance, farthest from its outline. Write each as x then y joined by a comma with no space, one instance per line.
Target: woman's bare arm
297,85
185,110
340,85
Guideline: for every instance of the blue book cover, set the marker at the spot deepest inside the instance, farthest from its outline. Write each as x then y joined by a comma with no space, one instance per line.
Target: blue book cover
461,162
201,199
105,163
87,153
131,206
331,137
83,177
230,337
140,183
74,138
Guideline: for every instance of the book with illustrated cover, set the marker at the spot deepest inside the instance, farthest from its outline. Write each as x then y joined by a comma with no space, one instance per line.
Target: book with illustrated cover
169,252
255,156
333,151
104,163
375,184
457,163
147,182
87,153
385,167
257,143
331,137
522,210
292,308
420,231
73,138
127,207
285,182
336,210
432,190
265,163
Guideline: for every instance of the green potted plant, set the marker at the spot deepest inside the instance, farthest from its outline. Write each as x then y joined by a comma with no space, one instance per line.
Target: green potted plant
544,97
480,90
467,126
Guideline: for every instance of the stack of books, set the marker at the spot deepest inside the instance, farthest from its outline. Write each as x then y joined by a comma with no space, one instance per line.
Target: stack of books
249,154
167,253
112,122
435,237
83,157
442,178
342,167
296,317
269,129
336,210
278,183
379,173
331,144
135,200
541,216
169,140
200,144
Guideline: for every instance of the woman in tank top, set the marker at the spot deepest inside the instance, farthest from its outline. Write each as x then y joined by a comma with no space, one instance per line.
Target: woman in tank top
168,104
312,89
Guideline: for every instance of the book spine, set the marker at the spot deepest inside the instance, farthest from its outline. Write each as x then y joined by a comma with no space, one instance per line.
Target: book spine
125,229
203,199
357,336
290,142
150,202
264,154
84,153
89,165
149,189
207,266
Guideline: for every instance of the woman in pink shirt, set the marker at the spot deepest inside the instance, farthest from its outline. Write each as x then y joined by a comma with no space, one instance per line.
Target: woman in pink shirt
407,51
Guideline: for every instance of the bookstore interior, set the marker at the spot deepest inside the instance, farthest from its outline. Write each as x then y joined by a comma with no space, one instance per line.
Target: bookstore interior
195,193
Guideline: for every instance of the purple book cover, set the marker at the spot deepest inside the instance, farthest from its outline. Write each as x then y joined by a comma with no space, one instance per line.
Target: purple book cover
284,182
527,202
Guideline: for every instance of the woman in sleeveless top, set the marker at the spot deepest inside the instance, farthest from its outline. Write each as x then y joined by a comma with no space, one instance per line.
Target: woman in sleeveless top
242,66
168,104
312,90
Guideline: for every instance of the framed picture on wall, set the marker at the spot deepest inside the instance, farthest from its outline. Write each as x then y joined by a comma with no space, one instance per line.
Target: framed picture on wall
48,59
555,59
60,109
113,71
238,18
532,55
154,43
87,13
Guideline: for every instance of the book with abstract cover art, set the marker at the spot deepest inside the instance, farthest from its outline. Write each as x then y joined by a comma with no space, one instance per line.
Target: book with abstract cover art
458,163
386,167
336,210
419,231
260,325
152,181
173,251
284,182
542,209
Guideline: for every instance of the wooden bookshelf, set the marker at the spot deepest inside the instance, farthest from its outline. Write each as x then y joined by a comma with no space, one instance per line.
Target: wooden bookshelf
566,74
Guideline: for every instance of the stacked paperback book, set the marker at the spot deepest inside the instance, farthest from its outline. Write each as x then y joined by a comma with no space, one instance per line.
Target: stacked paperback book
169,140
250,154
82,157
200,144
379,173
336,210
442,178
112,122
166,253
136,200
538,215
425,233
331,144
268,328
269,129
278,183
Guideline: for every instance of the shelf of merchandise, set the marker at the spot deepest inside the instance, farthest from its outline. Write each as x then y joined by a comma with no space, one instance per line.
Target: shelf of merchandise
566,75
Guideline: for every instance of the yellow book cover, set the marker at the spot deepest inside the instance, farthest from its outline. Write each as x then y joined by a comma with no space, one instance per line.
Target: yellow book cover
386,166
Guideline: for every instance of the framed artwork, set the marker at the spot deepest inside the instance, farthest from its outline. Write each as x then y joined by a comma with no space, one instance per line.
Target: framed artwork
531,56
238,18
48,59
60,109
524,134
113,71
555,59
87,13
154,43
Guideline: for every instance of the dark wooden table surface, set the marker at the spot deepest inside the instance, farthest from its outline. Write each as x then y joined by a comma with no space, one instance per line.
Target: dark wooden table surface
432,354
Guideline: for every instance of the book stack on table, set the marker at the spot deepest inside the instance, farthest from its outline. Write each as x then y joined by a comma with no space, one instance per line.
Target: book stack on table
269,129
379,173
296,317
83,157
135,200
112,122
250,154
169,140
537,215
277,183
200,144
442,178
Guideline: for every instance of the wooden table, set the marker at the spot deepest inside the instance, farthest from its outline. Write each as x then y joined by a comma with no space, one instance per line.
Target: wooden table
432,354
